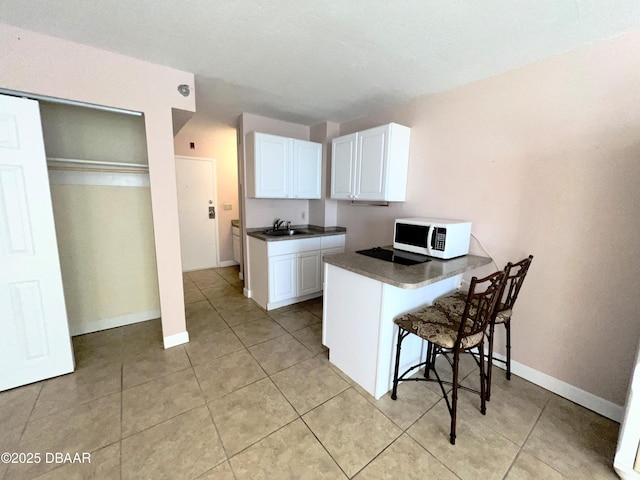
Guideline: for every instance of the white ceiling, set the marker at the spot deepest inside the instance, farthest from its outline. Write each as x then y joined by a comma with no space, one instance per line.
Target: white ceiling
308,61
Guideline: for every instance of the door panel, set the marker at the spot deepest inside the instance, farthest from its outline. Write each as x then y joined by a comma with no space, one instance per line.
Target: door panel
343,167
196,184
371,160
34,333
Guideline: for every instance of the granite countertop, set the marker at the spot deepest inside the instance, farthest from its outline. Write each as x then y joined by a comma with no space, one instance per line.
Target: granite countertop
308,231
406,276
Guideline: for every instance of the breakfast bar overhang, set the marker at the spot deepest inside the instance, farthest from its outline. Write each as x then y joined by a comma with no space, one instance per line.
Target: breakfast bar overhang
362,295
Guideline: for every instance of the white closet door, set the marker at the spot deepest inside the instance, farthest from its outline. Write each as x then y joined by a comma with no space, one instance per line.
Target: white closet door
34,333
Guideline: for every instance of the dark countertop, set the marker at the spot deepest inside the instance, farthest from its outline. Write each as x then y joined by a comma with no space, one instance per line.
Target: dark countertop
406,276
310,231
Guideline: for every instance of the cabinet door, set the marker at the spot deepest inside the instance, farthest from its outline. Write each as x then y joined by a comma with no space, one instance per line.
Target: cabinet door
272,166
309,273
282,277
343,166
307,169
372,164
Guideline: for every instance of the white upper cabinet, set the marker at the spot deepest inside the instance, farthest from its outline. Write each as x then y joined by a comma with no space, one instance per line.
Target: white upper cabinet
371,165
281,167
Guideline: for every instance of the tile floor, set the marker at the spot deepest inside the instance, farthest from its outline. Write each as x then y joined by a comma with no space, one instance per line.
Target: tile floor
253,396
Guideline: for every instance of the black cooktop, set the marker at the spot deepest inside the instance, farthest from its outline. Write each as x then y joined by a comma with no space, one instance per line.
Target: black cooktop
395,256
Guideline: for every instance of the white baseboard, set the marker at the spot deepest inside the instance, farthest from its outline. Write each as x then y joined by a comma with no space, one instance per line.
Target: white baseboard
581,397
112,322
246,292
175,340
228,263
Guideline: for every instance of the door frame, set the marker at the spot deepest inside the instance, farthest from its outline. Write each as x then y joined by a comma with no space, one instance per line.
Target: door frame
215,203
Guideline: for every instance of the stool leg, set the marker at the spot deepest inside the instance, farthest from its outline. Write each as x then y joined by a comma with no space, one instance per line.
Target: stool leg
483,384
395,371
427,366
507,325
454,396
490,366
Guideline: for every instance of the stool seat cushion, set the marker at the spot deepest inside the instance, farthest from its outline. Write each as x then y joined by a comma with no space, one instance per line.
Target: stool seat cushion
455,302
436,325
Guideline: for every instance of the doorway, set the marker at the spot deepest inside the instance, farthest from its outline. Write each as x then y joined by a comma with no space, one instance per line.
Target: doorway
197,212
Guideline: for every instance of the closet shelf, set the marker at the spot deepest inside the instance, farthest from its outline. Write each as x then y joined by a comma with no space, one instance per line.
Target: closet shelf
74,164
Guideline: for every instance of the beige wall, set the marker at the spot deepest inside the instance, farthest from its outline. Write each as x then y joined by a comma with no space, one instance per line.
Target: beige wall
105,242
44,65
88,134
543,160
215,140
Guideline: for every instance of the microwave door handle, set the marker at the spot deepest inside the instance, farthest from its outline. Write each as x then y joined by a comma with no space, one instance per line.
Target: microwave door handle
431,240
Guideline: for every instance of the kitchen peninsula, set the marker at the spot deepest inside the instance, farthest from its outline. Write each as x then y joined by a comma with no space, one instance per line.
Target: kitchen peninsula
362,295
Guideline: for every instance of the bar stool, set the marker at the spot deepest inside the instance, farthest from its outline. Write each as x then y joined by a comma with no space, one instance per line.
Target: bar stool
455,302
450,333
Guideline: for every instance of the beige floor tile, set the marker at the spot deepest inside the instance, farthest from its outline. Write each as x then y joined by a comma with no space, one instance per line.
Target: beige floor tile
182,447
250,414
414,399
153,402
206,348
311,337
405,459
83,385
280,353
221,472
142,338
574,441
352,430
227,374
295,319
192,294
230,302
89,354
110,337
527,467
243,314
202,318
230,274
9,440
152,365
308,384
220,291
258,331
479,452
210,282
291,453
84,428
514,408
101,464
16,405
314,306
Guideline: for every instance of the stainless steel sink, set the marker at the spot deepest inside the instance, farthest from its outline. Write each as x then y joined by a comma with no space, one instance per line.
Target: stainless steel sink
283,233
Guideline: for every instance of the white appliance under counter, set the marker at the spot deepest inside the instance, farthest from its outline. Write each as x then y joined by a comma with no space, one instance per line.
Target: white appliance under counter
362,296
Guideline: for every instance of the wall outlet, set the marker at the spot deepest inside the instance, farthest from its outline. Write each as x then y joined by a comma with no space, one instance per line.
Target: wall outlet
303,215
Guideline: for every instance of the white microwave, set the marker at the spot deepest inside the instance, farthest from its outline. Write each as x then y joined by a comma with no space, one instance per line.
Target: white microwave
436,237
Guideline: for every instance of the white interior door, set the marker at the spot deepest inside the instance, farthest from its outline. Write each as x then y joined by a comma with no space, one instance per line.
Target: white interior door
34,334
196,179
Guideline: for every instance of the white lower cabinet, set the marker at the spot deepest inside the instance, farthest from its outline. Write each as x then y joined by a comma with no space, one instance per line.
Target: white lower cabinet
309,273
282,277
288,271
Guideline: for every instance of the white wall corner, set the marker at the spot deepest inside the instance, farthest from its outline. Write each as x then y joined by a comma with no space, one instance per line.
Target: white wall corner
175,340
